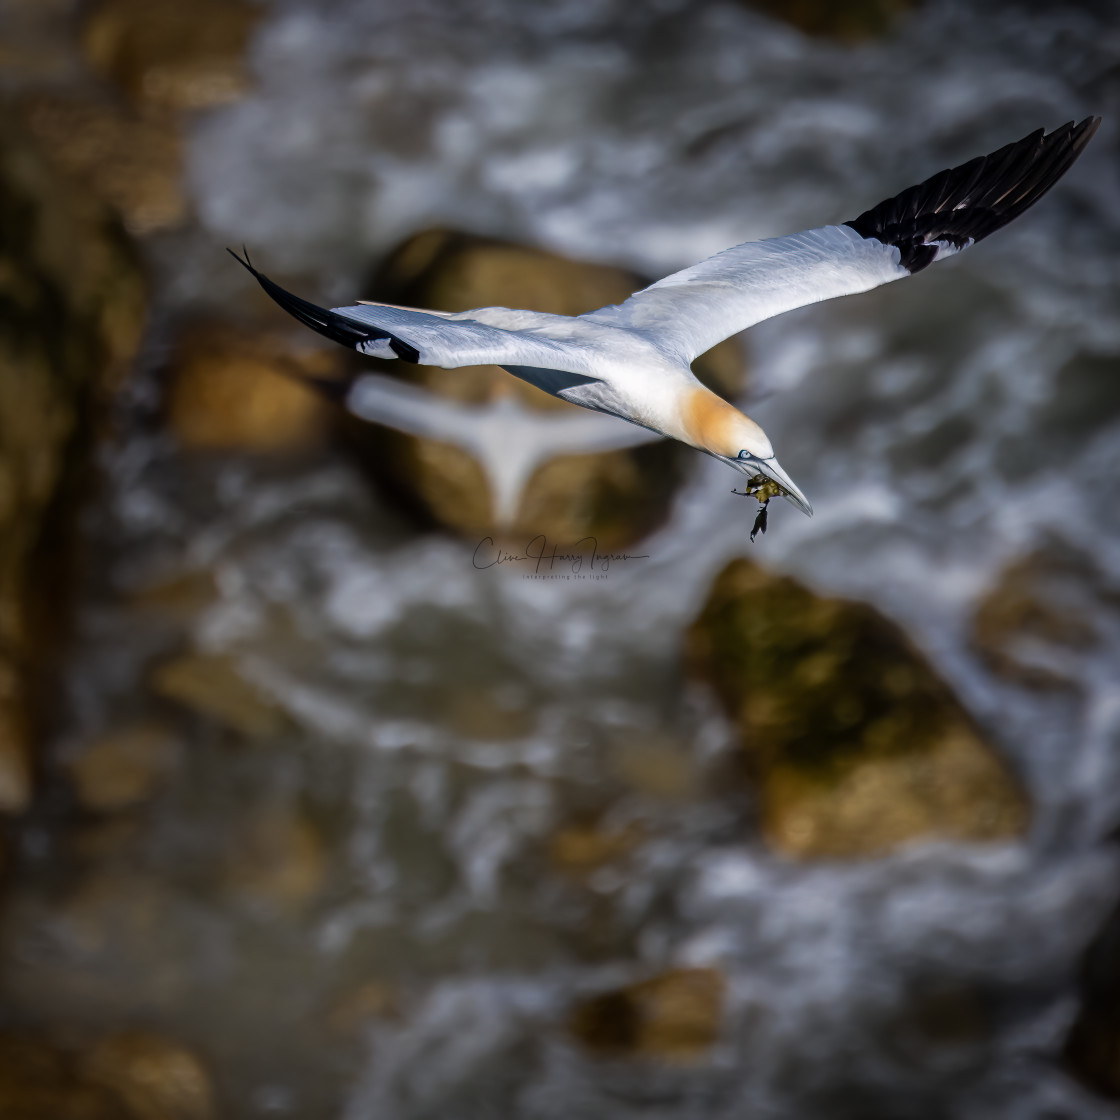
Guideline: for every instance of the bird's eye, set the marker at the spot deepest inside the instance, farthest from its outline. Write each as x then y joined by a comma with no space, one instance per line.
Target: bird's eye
745,455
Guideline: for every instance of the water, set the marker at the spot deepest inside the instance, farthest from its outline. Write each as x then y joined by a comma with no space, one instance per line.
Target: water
442,722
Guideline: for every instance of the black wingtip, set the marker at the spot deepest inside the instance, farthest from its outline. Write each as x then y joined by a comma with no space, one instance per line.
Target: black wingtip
243,261
327,323
965,204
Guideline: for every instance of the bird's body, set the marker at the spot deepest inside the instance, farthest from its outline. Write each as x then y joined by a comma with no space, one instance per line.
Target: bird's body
633,360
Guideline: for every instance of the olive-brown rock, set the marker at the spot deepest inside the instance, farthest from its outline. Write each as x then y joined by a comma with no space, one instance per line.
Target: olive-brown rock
15,747
126,1076
72,301
233,388
854,743
672,1017
182,56
155,1078
615,496
356,1008
658,767
39,1082
582,847
277,857
1043,608
122,768
131,161
212,687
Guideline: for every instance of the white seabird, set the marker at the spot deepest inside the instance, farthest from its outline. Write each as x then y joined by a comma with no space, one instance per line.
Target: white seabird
633,359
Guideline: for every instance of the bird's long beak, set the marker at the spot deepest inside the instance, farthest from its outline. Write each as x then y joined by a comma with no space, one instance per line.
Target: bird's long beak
773,470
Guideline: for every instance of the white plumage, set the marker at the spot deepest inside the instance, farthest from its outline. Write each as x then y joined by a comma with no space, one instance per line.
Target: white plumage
632,360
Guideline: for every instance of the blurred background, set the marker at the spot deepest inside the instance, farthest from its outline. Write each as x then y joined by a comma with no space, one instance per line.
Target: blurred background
307,814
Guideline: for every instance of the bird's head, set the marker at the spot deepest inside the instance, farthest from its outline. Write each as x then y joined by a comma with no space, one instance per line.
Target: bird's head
723,431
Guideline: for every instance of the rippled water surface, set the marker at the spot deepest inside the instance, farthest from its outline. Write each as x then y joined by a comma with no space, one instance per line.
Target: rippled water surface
440,723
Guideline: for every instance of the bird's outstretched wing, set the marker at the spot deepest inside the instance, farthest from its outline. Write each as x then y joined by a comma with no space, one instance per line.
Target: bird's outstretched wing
434,338
690,311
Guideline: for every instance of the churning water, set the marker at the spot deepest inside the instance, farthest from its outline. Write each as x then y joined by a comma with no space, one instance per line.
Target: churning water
942,427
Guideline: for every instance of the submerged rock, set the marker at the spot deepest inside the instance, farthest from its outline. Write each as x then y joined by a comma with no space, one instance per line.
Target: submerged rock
72,301
856,746
353,1010
1044,609
616,496
672,1017
212,687
277,857
581,848
123,768
236,388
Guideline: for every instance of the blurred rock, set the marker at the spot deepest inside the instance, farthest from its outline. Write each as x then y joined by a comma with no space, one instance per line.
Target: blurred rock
106,840
212,686
673,1017
852,22
1093,1047
123,768
657,767
617,496
119,944
173,55
581,848
155,1078
39,1082
235,388
479,713
278,858
1044,607
180,597
356,1008
855,744
130,161
35,44
130,1076
15,750
72,301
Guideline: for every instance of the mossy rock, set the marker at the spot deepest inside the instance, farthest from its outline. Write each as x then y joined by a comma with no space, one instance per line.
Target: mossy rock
1044,608
854,743
72,304
615,496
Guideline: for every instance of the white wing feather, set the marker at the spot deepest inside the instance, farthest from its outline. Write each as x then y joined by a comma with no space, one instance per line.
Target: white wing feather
690,311
453,341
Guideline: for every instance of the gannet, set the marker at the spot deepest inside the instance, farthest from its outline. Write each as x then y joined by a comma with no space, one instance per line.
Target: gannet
632,360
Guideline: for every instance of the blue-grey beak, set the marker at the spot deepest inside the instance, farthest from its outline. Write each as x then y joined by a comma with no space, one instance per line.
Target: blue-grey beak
772,469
